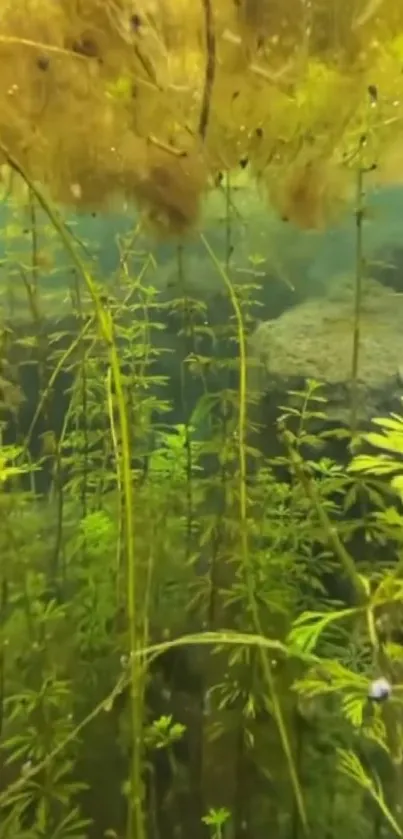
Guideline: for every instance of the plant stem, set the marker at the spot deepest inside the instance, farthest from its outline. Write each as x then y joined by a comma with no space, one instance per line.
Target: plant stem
333,538
265,661
105,325
359,215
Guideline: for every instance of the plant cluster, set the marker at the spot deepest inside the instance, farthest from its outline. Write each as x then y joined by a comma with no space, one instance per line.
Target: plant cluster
189,638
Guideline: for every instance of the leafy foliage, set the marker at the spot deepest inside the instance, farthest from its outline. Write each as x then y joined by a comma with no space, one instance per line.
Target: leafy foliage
173,597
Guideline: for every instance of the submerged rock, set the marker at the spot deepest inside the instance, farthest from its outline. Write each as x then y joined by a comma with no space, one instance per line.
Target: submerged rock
315,341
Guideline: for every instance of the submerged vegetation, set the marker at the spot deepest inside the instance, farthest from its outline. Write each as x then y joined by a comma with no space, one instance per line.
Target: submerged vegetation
192,632
196,638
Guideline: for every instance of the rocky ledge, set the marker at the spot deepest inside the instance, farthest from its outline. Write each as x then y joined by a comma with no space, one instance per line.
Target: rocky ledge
314,340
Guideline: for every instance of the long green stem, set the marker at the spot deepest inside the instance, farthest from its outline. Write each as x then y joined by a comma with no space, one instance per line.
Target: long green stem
359,214
265,661
333,538
105,325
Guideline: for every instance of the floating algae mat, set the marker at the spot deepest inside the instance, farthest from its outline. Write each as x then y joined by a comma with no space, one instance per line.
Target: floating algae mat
151,101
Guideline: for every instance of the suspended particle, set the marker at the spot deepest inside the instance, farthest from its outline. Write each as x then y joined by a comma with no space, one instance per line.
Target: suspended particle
42,63
135,22
76,191
86,46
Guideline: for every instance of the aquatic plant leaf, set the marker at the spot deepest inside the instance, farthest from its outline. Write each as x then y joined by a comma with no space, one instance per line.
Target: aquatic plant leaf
72,826
216,818
308,628
376,465
390,516
394,651
393,423
397,484
353,708
331,676
350,764
376,731
391,442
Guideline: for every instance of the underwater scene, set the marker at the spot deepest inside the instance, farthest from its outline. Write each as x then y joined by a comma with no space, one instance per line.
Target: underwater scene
201,419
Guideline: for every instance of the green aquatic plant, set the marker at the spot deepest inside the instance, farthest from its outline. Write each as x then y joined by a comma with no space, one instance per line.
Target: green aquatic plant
372,593
389,444
243,534
47,803
106,330
37,700
11,465
215,820
233,559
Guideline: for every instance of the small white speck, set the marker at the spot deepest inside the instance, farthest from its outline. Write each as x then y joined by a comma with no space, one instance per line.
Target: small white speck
76,191
379,690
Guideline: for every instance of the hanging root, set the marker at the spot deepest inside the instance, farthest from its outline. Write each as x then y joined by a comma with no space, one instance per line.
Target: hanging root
210,68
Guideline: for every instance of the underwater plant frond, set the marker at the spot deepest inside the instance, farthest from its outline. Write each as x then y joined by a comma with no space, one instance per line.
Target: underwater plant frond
226,638
245,553
350,764
388,460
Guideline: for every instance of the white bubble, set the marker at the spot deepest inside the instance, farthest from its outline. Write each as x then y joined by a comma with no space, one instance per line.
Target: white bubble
379,689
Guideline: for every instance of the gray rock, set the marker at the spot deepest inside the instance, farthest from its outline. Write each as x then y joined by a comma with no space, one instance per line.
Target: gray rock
314,340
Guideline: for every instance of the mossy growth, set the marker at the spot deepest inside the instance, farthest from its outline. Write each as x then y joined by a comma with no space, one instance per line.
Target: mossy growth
149,102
